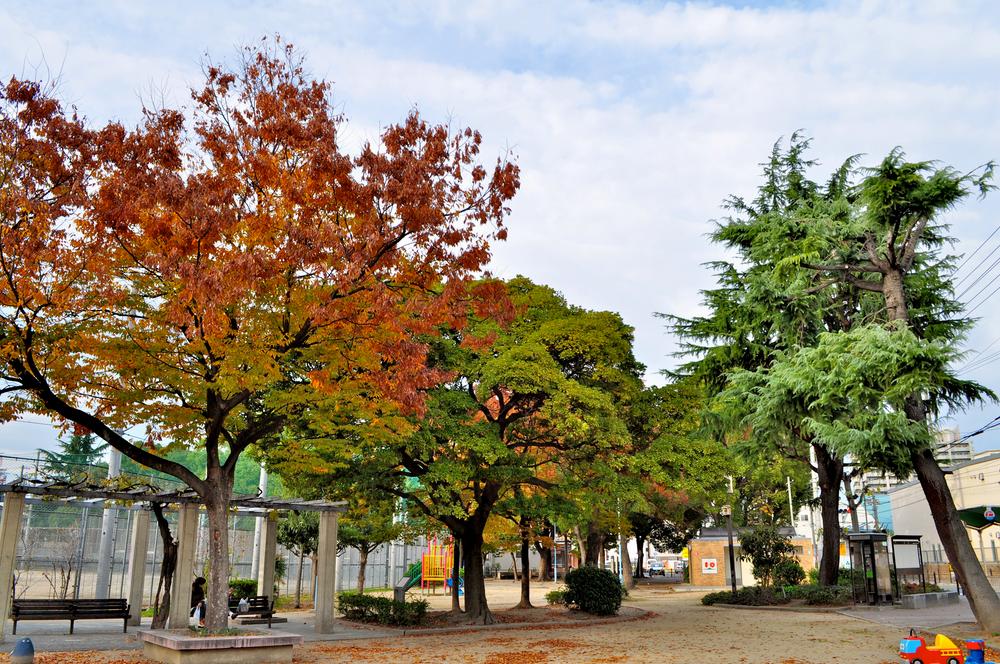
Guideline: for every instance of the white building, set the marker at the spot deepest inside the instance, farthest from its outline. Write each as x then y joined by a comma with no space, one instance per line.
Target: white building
974,484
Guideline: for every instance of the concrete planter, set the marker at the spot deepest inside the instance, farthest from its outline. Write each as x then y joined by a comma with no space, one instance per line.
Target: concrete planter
181,647
924,600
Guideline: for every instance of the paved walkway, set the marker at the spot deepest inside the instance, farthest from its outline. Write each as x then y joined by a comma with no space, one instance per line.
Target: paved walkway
929,618
107,634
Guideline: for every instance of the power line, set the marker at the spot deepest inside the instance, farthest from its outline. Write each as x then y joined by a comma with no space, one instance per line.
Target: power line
976,250
56,426
992,293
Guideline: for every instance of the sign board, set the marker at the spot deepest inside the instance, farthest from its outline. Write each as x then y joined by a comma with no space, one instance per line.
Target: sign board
989,514
727,510
684,554
709,566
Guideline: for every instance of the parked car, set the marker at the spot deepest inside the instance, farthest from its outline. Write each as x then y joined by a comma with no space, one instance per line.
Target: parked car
656,568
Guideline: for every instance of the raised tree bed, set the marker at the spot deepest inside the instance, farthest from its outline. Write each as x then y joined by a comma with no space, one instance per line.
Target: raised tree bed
186,647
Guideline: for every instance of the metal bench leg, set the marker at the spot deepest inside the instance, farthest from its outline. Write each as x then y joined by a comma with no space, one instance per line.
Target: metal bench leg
15,626
71,625
125,626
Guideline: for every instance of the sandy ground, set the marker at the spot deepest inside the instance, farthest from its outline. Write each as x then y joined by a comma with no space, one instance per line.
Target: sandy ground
682,630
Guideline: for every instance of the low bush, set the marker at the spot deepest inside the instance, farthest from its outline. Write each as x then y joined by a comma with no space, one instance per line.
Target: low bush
788,573
243,587
843,577
557,596
815,595
381,610
914,588
750,596
594,590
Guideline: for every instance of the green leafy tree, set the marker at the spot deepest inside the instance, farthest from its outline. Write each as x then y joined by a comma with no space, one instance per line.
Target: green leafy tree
766,549
79,458
755,313
299,533
891,245
369,523
522,404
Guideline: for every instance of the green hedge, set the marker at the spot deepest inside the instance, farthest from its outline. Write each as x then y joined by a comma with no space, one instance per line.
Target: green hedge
593,590
820,595
243,587
381,610
813,595
750,596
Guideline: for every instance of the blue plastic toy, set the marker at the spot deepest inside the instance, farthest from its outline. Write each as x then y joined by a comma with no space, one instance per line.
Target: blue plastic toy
977,652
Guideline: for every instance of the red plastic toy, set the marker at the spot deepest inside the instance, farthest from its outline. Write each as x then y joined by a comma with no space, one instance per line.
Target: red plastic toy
916,651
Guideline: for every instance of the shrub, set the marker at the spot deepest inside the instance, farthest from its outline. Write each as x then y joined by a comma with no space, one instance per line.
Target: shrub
788,573
594,590
750,596
381,610
843,577
817,595
557,596
765,548
243,587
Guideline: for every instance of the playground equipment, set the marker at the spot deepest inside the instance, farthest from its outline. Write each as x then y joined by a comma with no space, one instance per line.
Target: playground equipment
435,565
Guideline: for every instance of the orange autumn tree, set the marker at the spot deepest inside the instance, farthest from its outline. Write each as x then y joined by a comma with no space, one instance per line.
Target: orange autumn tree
217,272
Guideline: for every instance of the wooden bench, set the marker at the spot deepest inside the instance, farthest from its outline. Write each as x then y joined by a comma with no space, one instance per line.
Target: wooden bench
259,605
69,609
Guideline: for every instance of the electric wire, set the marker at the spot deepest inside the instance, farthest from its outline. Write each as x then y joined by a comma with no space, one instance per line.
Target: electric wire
976,251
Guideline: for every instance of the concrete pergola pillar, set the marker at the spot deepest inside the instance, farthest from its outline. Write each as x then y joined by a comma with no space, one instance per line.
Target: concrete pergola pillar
137,565
10,531
268,550
180,593
326,579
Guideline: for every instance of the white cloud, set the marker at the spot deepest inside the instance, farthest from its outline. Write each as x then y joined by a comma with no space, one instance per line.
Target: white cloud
632,121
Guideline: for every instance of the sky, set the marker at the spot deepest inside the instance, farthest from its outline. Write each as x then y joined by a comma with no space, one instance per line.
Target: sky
631,121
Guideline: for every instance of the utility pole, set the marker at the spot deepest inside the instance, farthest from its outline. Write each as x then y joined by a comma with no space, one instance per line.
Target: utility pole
791,510
109,519
255,561
727,510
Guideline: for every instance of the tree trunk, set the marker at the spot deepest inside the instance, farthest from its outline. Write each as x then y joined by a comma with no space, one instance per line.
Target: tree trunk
851,505
545,561
830,472
456,573
298,582
476,607
362,565
602,561
627,580
640,558
982,598
217,597
161,610
525,602
593,546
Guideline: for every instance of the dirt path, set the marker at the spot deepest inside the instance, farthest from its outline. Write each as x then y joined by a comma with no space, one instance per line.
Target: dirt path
682,631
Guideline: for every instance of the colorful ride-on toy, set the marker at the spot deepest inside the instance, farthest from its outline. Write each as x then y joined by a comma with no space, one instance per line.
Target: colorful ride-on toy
977,652
916,651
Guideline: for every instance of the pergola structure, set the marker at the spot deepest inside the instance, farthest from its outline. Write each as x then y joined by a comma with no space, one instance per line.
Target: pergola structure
188,504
